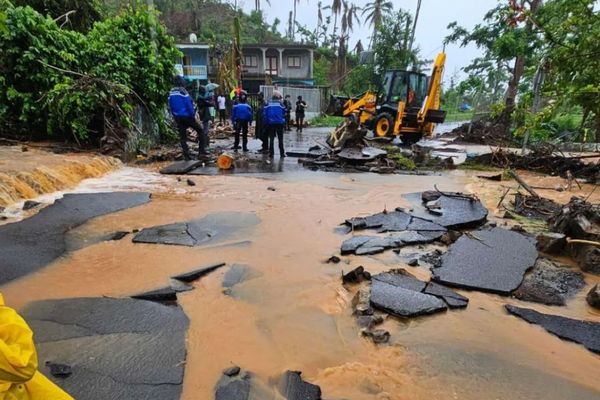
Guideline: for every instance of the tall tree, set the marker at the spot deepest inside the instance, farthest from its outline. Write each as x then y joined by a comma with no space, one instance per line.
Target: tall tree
336,9
257,6
507,38
375,11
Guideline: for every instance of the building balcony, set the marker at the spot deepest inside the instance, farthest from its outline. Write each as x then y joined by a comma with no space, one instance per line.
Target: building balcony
193,72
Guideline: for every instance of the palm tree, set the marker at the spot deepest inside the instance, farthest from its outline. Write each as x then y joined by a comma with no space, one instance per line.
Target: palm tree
336,9
257,4
375,12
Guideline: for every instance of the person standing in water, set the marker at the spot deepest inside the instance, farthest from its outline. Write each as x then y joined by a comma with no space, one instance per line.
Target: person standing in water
182,110
274,119
300,113
241,117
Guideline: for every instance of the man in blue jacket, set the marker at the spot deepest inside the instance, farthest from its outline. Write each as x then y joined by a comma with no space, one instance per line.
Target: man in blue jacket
241,117
182,109
274,119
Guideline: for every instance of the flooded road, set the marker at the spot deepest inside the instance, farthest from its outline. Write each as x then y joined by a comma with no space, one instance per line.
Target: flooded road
293,312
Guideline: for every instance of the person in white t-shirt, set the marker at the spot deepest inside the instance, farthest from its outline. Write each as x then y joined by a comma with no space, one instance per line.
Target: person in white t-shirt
222,103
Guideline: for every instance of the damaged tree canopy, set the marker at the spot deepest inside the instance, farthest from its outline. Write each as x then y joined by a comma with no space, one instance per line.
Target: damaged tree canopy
492,260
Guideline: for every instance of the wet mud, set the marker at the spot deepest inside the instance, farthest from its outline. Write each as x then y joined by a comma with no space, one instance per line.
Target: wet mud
295,315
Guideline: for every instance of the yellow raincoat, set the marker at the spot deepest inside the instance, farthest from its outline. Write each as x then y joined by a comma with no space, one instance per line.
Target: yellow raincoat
19,377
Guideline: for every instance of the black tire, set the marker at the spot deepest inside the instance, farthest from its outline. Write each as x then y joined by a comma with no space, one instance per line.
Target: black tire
410,138
383,125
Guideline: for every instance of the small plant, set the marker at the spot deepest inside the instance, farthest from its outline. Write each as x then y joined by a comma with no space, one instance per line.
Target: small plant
402,162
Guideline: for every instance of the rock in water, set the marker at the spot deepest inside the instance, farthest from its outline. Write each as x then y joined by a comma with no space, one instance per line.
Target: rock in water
550,284
30,204
551,242
586,333
593,297
59,370
293,387
491,260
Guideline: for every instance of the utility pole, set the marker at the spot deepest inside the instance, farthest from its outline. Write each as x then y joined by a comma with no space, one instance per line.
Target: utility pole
412,36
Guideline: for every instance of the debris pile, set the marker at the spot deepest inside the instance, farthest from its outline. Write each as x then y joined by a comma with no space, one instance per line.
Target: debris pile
481,132
580,222
542,161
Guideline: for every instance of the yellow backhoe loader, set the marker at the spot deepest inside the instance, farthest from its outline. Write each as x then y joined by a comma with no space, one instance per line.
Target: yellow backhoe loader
408,105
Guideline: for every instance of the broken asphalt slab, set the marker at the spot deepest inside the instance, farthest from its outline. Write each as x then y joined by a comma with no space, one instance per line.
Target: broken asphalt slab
365,245
550,284
393,221
237,274
450,212
586,333
293,387
211,229
401,294
35,242
491,260
198,273
116,348
180,168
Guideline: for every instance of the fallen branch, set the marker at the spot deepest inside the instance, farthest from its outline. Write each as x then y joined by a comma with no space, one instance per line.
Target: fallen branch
523,183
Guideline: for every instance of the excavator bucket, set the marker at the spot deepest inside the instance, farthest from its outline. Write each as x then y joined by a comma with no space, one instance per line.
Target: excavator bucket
336,106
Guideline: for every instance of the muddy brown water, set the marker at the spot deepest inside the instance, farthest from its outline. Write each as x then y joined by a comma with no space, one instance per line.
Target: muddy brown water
295,314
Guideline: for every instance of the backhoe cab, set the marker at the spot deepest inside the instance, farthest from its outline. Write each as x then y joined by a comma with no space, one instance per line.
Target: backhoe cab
408,105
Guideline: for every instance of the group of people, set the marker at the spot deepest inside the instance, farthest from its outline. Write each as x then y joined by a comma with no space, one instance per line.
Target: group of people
271,118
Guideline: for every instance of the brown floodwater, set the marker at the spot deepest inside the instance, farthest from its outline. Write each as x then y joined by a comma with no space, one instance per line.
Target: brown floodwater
295,314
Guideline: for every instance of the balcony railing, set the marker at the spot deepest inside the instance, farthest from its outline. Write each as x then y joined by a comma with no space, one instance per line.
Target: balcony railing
193,71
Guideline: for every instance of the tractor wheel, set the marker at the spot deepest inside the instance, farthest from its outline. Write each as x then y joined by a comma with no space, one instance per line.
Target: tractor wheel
383,125
410,138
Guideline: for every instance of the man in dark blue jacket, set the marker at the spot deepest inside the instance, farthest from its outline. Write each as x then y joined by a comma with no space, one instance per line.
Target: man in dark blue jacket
241,117
274,119
182,109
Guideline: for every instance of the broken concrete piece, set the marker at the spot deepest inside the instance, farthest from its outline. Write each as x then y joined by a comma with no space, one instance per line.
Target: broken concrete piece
180,168
593,297
357,275
212,228
117,348
551,242
492,260
59,370
190,182
361,301
237,274
550,284
165,294
232,371
350,245
403,302
586,333
378,335
333,260
588,257
30,204
35,242
293,387
450,297
369,321
233,386
117,235
198,273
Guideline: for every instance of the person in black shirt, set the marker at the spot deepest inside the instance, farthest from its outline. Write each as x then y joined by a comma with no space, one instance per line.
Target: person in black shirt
288,112
300,113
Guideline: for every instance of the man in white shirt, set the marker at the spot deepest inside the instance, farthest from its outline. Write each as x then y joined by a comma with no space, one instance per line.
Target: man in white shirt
222,103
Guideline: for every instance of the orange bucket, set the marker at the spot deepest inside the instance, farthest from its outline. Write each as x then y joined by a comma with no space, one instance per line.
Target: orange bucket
225,161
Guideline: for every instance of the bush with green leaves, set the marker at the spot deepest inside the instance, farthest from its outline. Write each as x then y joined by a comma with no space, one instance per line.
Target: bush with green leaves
63,83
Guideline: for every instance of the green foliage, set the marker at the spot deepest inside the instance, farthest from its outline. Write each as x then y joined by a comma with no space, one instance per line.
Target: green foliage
78,15
361,79
326,121
394,153
58,81
392,41
321,71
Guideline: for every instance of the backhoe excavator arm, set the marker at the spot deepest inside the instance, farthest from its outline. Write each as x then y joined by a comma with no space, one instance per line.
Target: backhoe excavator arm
432,101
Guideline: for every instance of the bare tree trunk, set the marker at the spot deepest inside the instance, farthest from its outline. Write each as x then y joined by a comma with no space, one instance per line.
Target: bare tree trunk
518,69
598,126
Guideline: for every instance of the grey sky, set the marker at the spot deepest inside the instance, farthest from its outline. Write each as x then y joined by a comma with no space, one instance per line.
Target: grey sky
431,29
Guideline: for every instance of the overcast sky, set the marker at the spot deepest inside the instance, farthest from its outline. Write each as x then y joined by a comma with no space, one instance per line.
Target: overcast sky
431,29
